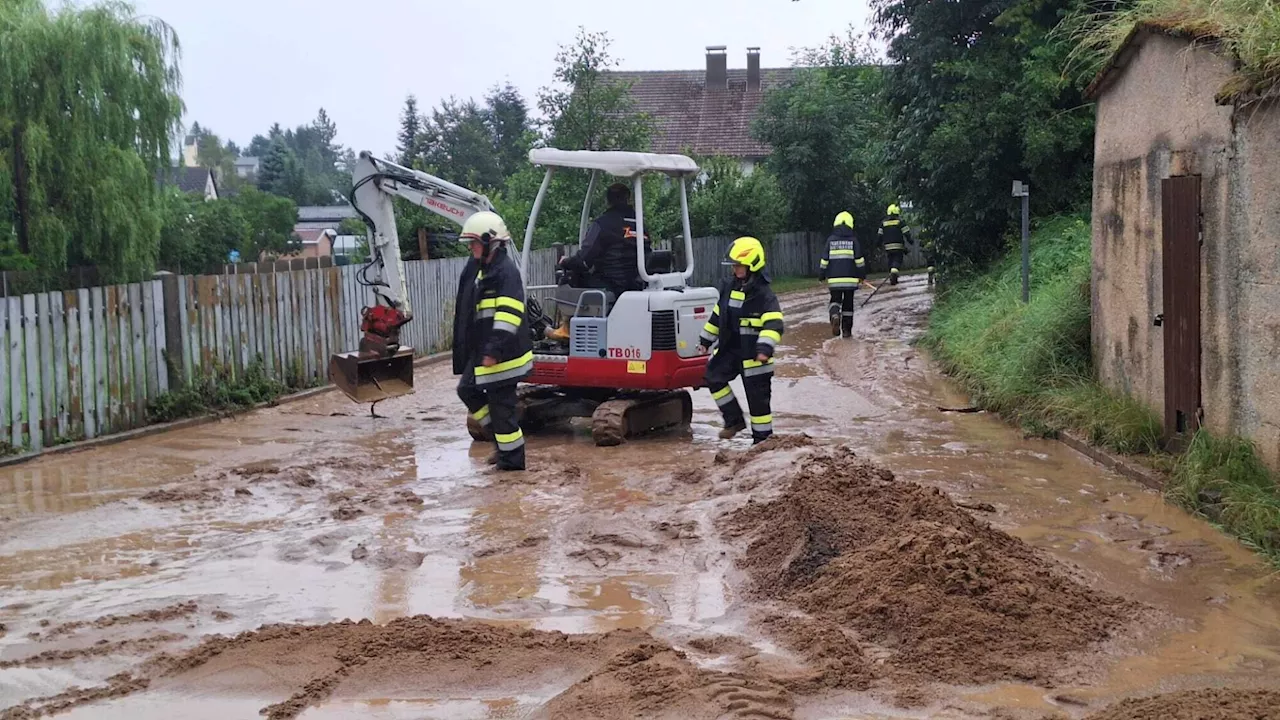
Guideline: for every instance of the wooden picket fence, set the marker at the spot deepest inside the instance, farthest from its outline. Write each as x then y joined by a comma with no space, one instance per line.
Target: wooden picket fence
85,363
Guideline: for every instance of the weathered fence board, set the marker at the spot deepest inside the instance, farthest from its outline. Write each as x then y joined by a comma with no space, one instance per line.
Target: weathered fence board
35,399
6,430
48,382
17,374
61,368
138,355
101,367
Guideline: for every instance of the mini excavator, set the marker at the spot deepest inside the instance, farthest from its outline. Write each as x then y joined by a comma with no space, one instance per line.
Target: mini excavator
628,360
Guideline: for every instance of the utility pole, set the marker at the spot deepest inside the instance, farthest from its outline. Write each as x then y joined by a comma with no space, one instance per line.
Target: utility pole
1023,190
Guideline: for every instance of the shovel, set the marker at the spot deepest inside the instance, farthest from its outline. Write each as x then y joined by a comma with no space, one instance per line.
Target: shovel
873,293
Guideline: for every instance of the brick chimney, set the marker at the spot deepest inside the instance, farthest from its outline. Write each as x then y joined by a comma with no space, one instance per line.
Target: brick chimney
717,68
753,69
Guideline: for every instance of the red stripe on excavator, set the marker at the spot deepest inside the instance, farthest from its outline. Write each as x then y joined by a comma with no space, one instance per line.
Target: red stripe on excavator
663,371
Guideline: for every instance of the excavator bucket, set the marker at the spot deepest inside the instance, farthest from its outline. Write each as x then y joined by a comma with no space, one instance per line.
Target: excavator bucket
370,377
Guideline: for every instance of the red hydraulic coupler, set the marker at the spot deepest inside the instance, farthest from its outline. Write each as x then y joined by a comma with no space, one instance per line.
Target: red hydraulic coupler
381,327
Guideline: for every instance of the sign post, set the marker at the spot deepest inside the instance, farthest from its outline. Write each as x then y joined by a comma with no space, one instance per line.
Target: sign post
1023,190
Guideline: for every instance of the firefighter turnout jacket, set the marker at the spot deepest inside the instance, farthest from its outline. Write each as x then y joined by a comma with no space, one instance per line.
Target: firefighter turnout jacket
843,265
490,321
894,234
747,322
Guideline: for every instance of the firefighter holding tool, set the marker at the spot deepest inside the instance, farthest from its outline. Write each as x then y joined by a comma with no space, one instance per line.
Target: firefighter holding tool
842,267
492,346
746,327
894,235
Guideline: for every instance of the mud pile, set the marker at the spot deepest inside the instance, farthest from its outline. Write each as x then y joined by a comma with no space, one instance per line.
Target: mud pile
1212,704
896,565
654,681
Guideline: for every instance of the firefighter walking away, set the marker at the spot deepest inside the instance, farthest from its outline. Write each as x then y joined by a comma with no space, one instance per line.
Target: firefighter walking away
745,327
843,267
894,236
492,346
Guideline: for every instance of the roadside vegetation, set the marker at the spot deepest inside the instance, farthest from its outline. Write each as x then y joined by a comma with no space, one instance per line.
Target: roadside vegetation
1032,365
1249,30
220,396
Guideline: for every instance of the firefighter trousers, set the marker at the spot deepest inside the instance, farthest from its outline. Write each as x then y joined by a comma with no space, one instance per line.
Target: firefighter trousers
494,407
758,384
842,306
895,264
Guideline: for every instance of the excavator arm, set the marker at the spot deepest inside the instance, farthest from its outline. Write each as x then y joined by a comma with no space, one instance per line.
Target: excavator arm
382,367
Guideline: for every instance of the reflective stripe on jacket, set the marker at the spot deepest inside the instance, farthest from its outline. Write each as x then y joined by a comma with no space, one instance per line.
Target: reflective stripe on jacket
843,262
747,321
489,321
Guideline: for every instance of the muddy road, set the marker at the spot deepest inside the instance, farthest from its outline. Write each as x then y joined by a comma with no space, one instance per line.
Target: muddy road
883,559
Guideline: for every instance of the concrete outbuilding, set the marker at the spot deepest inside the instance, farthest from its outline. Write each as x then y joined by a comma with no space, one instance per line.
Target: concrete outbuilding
1186,239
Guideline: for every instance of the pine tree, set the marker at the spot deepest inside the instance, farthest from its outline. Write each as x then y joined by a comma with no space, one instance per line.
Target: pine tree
274,168
407,149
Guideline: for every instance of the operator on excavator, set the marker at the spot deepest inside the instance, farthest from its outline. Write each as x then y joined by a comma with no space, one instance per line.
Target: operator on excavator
842,267
607,258
894,235
492,345
747,325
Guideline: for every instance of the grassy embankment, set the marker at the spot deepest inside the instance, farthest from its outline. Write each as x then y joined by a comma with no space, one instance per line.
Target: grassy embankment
1031,364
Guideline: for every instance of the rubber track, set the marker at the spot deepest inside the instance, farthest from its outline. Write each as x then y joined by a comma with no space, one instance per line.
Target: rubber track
609,425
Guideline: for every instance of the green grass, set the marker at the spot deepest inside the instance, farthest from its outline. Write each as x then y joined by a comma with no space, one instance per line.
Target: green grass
1223,480
223,395
1031,363
792,284
1248,29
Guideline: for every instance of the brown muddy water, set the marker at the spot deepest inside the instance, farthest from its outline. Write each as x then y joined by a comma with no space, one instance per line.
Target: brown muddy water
618,582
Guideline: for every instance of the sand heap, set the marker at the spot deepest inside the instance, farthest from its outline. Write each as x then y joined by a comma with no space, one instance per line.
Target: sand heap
1212,704
941,595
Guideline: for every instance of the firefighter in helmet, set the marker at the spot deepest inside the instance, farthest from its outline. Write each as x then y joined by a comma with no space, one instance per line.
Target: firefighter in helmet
745,327
492,346
842,267
894,236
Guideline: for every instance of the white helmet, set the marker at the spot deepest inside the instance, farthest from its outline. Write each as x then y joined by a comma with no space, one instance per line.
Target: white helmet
483,224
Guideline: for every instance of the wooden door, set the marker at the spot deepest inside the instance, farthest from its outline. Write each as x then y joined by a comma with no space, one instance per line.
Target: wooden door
1180,201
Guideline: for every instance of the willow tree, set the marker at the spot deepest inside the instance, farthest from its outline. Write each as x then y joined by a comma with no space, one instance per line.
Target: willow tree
88,105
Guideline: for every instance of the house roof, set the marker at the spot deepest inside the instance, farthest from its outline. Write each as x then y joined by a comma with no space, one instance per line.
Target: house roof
325,213
689,118
312,236
187,179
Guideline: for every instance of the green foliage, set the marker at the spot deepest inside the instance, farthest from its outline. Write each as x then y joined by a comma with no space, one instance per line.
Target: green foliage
1224,480
197,235
222,395
977,99
305,164
1248,30
734,204
88,104
586,110
456,144
270,220
1031,363
410,128
828,131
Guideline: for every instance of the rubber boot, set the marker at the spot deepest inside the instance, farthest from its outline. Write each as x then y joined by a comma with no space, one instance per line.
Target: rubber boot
834,311
893,276
733,430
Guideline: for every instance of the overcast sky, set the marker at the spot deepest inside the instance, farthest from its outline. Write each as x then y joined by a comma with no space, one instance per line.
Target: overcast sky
249,63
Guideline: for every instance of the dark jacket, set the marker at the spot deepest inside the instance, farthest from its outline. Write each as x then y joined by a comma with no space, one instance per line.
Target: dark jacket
747,320
843,264
894,234
490,321
609,250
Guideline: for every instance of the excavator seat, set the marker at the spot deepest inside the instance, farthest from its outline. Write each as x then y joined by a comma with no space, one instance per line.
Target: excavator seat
368,377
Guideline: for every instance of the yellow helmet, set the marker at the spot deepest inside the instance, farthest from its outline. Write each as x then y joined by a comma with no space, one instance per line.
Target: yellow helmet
894,209
747,251
845,219
484,226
